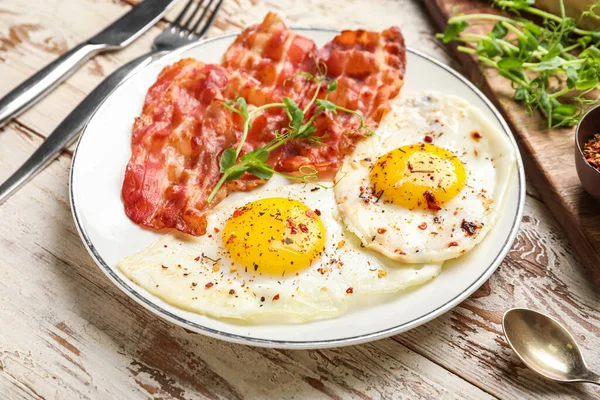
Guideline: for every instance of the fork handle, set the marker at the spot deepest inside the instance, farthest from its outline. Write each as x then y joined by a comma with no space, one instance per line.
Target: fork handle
67,131
45,79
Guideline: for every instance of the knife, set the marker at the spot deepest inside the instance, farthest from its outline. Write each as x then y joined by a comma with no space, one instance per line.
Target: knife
116,36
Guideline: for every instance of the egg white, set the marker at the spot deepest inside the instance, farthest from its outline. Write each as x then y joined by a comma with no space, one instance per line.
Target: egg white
394,230
178,267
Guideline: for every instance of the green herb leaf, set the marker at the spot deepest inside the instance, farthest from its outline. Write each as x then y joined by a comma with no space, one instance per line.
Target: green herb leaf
489,48
297,115
261,171
326,104
332,86
242,102
236,172
572,76
499,31
453,30
586,84
261,154
565,110
508,63
545,103
227,159
548,65
591,52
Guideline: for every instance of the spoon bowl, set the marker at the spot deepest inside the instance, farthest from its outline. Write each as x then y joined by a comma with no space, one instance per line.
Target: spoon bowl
545,346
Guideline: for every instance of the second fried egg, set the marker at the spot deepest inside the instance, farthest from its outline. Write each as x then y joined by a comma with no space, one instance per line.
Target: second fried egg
429,184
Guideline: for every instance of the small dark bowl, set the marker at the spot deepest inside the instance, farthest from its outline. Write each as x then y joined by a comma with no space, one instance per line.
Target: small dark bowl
588,175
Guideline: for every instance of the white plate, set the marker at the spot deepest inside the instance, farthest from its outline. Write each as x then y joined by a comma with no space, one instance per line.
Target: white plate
97,174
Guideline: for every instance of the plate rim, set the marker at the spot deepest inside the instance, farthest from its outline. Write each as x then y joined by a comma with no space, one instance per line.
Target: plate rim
312,344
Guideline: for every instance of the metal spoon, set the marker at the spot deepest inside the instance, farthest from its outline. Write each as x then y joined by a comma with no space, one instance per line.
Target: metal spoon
546,346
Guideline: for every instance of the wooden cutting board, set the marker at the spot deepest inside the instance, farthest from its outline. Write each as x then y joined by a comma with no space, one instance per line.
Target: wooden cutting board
548,154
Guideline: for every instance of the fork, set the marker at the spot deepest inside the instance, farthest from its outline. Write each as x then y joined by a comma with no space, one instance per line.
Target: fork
186,28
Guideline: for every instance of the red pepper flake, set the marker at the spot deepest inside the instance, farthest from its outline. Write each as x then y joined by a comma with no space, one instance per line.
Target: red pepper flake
217,230
310,214
469,227
381,231
591,151
164,266
428,139
303,228
398,251
232,237
423,226
350,290
209,285
197,258
276,297
476,136
232,292
292,226
165,246
432,202
318,212
452,244
238,212
410,167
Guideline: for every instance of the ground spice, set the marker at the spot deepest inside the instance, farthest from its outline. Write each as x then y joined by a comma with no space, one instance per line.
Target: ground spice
591,151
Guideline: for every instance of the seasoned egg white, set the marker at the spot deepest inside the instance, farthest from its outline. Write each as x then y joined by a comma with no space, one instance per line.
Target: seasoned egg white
199,274
429,183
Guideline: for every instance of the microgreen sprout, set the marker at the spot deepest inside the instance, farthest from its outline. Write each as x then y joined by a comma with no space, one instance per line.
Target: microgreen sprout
553,66
233,165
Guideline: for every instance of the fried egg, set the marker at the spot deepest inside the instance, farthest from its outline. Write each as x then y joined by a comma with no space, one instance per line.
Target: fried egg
276,254
429,183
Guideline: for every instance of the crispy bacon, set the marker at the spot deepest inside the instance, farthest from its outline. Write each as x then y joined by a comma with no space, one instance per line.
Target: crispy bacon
264,60
183,129
176,145
369,68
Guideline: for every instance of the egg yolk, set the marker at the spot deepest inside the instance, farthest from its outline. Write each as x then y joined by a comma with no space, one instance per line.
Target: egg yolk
275,235
418,176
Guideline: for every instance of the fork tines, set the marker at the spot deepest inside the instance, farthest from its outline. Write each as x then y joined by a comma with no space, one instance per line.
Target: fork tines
194,25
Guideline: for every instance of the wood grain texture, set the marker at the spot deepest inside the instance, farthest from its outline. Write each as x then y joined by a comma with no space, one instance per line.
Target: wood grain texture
548,153
67,332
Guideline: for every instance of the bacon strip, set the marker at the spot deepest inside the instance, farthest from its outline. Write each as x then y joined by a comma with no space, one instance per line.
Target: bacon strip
264,59
369,68
183,129
176,145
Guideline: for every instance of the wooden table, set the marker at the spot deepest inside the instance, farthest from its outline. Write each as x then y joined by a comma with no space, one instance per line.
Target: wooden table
66,332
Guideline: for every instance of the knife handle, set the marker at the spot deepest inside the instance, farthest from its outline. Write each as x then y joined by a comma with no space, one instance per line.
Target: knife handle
67,131
44,80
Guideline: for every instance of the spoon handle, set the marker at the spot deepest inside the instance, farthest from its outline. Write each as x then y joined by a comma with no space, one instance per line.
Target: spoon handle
593,378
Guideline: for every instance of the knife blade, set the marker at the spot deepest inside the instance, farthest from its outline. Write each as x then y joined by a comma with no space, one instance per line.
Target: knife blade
116,36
